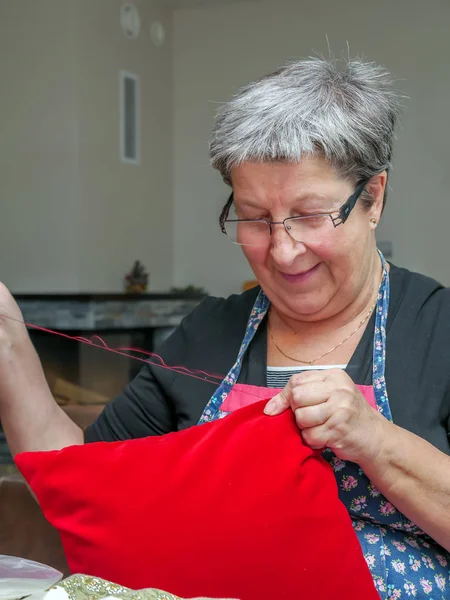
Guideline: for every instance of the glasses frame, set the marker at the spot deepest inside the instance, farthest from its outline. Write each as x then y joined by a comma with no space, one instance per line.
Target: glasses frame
342,213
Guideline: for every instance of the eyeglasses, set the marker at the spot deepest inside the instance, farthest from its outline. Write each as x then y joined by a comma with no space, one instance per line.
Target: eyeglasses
308,228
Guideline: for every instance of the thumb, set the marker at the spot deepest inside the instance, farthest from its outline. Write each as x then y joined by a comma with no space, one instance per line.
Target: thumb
278,403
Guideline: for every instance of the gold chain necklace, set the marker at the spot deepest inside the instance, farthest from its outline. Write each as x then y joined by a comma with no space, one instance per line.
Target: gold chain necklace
311,362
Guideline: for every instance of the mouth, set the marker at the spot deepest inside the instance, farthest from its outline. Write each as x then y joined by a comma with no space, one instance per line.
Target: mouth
300,277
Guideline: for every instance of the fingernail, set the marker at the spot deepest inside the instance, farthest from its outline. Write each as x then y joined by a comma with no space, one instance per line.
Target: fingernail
271,407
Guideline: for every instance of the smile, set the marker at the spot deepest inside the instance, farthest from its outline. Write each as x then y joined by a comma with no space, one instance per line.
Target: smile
300,277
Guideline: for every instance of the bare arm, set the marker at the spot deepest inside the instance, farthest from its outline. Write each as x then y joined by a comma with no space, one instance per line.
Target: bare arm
31,419
415,477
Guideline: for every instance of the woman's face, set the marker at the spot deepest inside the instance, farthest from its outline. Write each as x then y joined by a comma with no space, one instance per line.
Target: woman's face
321,276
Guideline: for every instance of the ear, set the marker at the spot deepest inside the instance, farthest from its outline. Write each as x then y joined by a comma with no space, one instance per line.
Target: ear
376,187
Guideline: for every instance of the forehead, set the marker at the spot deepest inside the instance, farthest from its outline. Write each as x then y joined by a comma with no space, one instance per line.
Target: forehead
279,181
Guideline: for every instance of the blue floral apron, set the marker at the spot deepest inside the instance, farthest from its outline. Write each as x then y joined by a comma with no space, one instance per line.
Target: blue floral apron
404,562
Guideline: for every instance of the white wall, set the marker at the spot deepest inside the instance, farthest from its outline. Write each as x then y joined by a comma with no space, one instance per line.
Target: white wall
38,242
73,217
125,210
218,49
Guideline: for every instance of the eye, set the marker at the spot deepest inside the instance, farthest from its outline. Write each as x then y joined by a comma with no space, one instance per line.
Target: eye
250,213
316,220
248,210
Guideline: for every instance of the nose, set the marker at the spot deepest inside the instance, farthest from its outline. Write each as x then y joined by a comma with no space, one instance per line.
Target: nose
283,248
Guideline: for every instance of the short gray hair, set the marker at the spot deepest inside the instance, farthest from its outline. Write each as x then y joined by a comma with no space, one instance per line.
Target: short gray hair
315,107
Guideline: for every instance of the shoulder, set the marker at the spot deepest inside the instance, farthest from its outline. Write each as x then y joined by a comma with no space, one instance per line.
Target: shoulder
411,281
418,355
222,313
231,304
419,311
419,294
210,335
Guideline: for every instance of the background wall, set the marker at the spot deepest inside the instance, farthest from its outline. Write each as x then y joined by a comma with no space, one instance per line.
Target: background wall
216,50
38,152
126,211
74,218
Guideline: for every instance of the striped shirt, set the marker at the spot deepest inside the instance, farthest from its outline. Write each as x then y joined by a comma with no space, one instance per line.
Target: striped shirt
278,377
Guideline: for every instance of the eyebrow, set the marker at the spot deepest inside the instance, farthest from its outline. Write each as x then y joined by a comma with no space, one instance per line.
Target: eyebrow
297,199
311,196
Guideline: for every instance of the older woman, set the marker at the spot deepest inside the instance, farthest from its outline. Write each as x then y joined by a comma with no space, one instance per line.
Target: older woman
306,151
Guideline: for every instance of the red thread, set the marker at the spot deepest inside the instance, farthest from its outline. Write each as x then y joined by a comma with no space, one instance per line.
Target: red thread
102,341
196,374
179,369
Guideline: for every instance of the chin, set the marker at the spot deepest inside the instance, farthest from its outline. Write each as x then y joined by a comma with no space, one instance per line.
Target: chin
305,309
295,307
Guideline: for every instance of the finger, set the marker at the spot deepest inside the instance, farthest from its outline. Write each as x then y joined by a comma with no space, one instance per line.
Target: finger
308,377
311,393
316,437
312,416
283,400
339,376
278,403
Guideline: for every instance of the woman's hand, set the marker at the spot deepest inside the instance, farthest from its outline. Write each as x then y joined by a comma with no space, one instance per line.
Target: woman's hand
412,474
16,349
20,366
12,328
331,412
30,417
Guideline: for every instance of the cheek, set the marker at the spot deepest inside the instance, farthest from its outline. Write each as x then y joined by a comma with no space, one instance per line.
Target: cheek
347,245
333,251
255,256
325,250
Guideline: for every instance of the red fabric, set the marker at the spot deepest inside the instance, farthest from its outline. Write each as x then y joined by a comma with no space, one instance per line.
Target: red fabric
243,395
235,508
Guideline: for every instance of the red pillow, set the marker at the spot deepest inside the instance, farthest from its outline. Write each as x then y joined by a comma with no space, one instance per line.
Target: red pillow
236,508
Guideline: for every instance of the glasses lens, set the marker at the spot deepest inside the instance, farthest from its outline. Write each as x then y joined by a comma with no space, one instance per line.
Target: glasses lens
311,228
248,233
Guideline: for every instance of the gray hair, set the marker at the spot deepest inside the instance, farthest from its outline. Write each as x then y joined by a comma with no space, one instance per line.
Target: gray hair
312,107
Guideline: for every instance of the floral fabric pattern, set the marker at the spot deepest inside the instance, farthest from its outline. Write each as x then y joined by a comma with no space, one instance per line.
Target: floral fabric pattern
212,410
404,561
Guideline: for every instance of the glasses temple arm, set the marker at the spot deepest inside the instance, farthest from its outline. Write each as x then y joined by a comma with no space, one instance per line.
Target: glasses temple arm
225,212
347,208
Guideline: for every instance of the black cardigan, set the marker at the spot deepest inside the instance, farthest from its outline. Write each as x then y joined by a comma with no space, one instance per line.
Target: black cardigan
158,401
